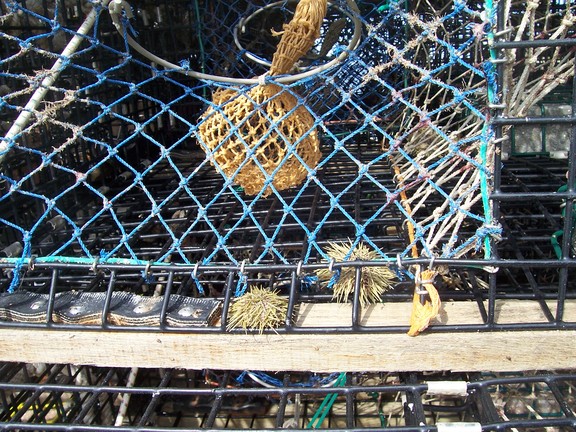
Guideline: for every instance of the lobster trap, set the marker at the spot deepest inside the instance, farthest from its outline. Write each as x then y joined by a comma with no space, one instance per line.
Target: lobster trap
285,186
91,399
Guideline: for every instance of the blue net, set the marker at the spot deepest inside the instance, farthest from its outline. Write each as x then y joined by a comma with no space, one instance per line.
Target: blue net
103,158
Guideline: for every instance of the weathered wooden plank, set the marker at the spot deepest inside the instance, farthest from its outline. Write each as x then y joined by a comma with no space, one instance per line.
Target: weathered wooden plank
462,351
451,313
496,351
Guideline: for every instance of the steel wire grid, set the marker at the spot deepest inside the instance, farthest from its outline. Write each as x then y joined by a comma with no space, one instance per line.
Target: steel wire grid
63,397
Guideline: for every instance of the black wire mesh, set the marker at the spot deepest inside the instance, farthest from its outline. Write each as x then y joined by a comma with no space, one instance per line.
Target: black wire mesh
205,222
60,397
526,200
126,112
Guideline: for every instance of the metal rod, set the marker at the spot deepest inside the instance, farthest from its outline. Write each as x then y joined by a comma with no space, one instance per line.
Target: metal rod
515,121
537,43
52,75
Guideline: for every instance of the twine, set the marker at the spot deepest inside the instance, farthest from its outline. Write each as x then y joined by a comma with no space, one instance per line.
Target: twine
424,312
298,35
265,137
261,138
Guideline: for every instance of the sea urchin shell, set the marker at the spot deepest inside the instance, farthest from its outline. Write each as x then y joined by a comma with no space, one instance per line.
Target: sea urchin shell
375,280
260,308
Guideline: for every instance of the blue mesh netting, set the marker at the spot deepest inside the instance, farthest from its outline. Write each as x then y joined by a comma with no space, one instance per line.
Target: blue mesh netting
110,163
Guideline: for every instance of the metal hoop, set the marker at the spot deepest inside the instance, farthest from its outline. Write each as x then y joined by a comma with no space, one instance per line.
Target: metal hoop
242,266
240,28
331,265
116,7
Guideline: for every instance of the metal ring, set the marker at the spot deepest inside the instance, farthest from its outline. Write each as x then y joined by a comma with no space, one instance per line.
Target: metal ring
239,28
242,266
115,13
31,262
399,262
147,268
417,278
195,272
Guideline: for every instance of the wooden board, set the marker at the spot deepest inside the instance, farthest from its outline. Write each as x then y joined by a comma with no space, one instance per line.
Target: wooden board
466,351
496,351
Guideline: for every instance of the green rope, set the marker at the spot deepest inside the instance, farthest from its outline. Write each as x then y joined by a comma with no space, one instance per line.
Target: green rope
485,195
492,98
79,260
326,404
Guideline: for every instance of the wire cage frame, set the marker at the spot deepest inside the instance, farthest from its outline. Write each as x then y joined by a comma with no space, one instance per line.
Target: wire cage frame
117,217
